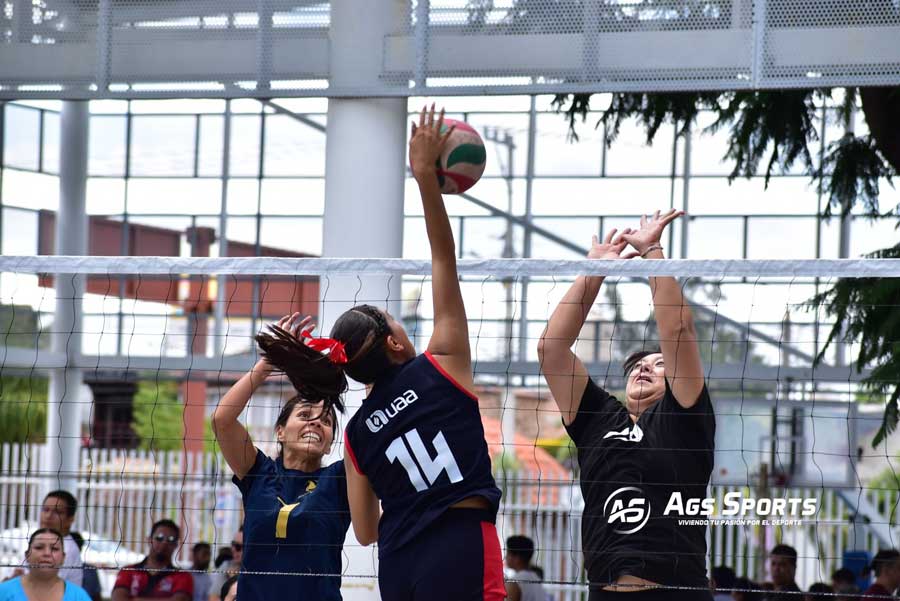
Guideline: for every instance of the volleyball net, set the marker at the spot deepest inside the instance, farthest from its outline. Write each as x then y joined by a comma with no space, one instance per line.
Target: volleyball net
111,368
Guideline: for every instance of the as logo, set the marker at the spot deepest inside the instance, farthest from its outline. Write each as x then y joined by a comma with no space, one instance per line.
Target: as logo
379,419
625,509
632,434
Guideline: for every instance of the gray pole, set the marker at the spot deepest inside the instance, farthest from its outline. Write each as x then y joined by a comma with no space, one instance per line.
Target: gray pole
365,178
526,235
63,407
219,311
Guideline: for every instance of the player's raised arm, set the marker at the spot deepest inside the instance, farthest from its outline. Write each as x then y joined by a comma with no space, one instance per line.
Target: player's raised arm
233,438
449,342
674,318
562,369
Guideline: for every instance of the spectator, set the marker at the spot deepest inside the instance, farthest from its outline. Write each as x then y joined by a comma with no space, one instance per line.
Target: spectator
44,557
746,590
886,565
200,557
782,568
528,587
722,578
229,567
820,591
155,577
58,513
90,578
229,589
846,592
222,556
841,577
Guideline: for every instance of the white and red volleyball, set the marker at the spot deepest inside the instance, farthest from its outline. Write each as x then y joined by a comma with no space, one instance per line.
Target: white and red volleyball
463,159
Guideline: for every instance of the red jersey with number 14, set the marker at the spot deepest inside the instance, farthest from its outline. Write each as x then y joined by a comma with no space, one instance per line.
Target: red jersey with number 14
419,440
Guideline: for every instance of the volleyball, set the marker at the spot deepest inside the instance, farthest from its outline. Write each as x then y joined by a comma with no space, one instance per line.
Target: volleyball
462,162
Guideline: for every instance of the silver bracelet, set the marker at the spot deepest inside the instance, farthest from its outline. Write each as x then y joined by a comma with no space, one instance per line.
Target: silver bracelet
652,247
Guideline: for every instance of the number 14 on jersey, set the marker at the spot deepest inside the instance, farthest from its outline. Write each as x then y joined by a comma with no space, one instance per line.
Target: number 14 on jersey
419,465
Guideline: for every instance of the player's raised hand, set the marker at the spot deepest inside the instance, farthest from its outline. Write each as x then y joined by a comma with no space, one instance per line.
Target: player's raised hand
650,233
427,142
611,247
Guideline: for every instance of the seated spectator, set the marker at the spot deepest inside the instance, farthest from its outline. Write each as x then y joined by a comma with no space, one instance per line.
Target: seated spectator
229,589
222,556
722,578
156,577
782,569
820,591
229,567
527,585
846,592
746,590
90,578
44,557
886,565
842,577
58,513
201,554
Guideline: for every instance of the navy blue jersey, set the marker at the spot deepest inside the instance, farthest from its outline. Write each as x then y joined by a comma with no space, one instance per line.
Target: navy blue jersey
294,523
418,438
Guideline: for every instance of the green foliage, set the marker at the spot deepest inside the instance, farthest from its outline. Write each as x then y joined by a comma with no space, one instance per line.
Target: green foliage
850,173
865,311
651,110
506,461
23,409
19,326
561,448
888,479
158,416
779,122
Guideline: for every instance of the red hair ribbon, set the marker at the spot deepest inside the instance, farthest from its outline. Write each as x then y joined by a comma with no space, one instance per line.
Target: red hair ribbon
335,348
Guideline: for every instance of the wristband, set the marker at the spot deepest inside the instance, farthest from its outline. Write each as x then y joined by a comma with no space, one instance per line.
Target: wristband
651,248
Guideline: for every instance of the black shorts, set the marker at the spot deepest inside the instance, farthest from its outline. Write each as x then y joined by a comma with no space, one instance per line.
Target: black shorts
457,558
657,594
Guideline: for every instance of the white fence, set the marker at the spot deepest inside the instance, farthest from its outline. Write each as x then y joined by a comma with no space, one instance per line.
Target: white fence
121,493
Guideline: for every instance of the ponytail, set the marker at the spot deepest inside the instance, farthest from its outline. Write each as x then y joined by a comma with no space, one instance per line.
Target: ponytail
361,331
311,373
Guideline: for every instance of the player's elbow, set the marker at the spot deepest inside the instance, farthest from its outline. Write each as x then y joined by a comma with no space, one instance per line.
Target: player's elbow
365,534
218,422
549,346
545,345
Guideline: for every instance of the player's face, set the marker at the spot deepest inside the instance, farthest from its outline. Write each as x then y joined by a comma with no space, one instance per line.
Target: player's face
646,382
309,430
405,348
163,543
45,553
55,514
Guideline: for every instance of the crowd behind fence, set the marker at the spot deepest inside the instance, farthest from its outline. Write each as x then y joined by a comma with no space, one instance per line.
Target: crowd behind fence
122,492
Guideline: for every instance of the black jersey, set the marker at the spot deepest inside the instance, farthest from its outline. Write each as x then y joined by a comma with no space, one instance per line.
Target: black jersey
629,470
419,440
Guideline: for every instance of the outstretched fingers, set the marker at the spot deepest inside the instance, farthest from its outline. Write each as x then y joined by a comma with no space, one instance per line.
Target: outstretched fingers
671,216
610,236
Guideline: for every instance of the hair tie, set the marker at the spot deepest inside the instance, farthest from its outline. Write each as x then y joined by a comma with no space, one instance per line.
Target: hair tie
333,349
